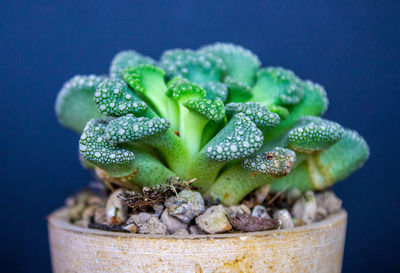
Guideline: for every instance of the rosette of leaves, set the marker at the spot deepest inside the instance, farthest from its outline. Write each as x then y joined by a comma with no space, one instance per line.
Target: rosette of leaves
213,115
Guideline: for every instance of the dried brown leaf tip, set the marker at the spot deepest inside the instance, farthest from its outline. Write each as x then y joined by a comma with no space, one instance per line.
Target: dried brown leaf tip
123,181
150,197
248,223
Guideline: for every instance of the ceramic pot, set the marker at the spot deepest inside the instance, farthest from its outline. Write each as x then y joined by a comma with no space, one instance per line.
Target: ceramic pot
313,248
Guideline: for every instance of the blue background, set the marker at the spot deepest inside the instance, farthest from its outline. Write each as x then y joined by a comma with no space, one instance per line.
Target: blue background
352,48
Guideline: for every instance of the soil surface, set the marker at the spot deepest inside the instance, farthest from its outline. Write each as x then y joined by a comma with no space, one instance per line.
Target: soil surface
176,208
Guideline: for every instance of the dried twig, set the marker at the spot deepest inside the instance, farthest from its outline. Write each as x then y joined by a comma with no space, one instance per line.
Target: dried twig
270,201
152,196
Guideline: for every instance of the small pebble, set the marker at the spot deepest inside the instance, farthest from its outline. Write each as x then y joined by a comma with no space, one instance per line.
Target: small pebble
172,223
284,217
233,210
139,219
245,208
186,205
292,196
116,210
158,209
322,213
214,220
75,212
262,193
153,226
305,208
328,201
195,230
95,200
132,228
147,223
88,212
100,216
82,197
260,211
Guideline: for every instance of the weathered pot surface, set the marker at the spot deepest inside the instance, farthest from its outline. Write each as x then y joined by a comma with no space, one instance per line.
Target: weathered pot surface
314,248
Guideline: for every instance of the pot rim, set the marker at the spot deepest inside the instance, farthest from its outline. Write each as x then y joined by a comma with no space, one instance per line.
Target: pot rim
59,219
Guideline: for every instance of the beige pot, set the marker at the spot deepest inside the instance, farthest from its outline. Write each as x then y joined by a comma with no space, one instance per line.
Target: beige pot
313,248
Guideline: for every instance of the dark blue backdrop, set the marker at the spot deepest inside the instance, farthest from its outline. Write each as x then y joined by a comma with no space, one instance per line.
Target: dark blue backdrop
352,48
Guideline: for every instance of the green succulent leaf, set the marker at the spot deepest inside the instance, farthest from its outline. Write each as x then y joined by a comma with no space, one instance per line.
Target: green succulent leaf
276,162
259,114
316,100
147,171
125,59
281,111
212,110
313,134
182,90
113,98
198,67
194,111
253,172
237,91
95,148
314,103
215,90
75,105
277,86
346,156
144,78
323,169
149,82
129,128
151,171
241,64
239,139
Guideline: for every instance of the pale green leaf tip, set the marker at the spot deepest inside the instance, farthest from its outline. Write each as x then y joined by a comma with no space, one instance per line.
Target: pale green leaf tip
276,162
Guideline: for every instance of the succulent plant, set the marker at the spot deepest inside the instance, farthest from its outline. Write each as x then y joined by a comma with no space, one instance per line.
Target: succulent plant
213,115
